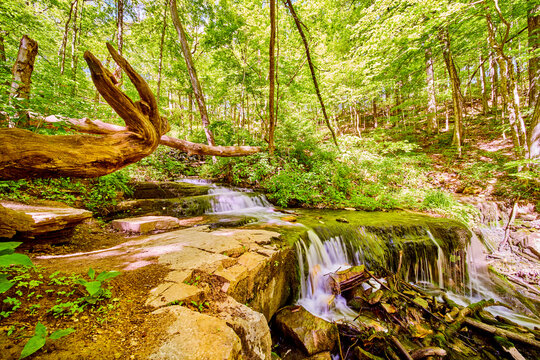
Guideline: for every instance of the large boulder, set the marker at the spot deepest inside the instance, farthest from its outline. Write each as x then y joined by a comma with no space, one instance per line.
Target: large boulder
311,333
146,224
250,326
195,336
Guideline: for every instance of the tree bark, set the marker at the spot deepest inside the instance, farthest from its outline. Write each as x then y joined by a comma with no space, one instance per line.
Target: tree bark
197,90
22,74
2,48
494,79
509,88
62,51
163,31
534,131
120,35
533,25
102,128
74,38
483,86
289,5
271,77
457,97
432,101
25,154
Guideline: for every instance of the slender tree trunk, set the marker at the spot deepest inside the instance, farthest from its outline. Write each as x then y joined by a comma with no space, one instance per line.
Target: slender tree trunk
271,77
120,35
457,97
197,90
534,131
494,79
483,88
62,51
533,24
74,39
375,118
432,126
2,48
289,5
509,89
190,100
163,30
22,74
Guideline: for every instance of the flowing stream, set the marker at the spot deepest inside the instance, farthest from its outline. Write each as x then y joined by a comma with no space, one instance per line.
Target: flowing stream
425,250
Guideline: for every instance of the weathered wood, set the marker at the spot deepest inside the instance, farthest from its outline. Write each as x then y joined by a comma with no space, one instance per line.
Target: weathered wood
99,127
427,351
23,67
348,279
25,154
502,332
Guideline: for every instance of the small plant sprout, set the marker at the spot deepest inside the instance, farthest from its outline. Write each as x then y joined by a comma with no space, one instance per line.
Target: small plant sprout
37,341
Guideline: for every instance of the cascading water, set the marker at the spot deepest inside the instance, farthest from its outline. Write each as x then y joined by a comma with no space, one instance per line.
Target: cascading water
461,274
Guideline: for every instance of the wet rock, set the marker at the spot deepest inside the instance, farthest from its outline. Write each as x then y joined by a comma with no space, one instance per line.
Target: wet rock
30,220
250,326
312,334
342,220
195,336
216,222
146,224
177,207
290,218
167,190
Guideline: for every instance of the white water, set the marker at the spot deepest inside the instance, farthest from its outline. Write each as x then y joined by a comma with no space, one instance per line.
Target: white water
464,284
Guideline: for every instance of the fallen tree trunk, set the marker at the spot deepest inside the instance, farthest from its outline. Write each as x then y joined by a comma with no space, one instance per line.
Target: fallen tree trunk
86,125
25,154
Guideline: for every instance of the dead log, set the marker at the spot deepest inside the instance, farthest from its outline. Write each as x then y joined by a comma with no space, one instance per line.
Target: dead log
348,279
25,154
86,125
503,332
427,351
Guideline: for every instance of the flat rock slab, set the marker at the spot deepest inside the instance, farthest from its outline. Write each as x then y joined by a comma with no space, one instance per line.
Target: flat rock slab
167,190
38,220
146,224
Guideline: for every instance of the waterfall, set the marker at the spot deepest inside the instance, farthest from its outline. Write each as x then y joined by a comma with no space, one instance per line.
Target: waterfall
462,274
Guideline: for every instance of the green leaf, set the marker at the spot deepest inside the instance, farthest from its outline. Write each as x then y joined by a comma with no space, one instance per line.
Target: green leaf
5,284
36,342
422,302
61,333
91,273
41,330
106,275
93,287
8,247
15,259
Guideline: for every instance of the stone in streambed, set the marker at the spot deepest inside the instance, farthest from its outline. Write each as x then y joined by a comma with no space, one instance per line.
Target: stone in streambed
167,190
312,334
250,326
195,336
146,224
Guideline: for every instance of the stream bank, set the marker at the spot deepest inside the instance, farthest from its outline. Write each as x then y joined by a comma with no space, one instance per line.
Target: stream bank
224,255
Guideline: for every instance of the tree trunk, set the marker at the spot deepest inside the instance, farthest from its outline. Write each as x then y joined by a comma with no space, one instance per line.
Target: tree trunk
74,39
2,48
120,35
311,68
457,97
271,77
432,126
62,51
163,31
483,86
22,74
533,24
494,79
375,119
197,91
509,89
25,154
534,131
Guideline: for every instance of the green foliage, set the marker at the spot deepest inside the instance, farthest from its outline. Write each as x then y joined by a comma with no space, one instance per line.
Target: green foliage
8,257
38,340
94,288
